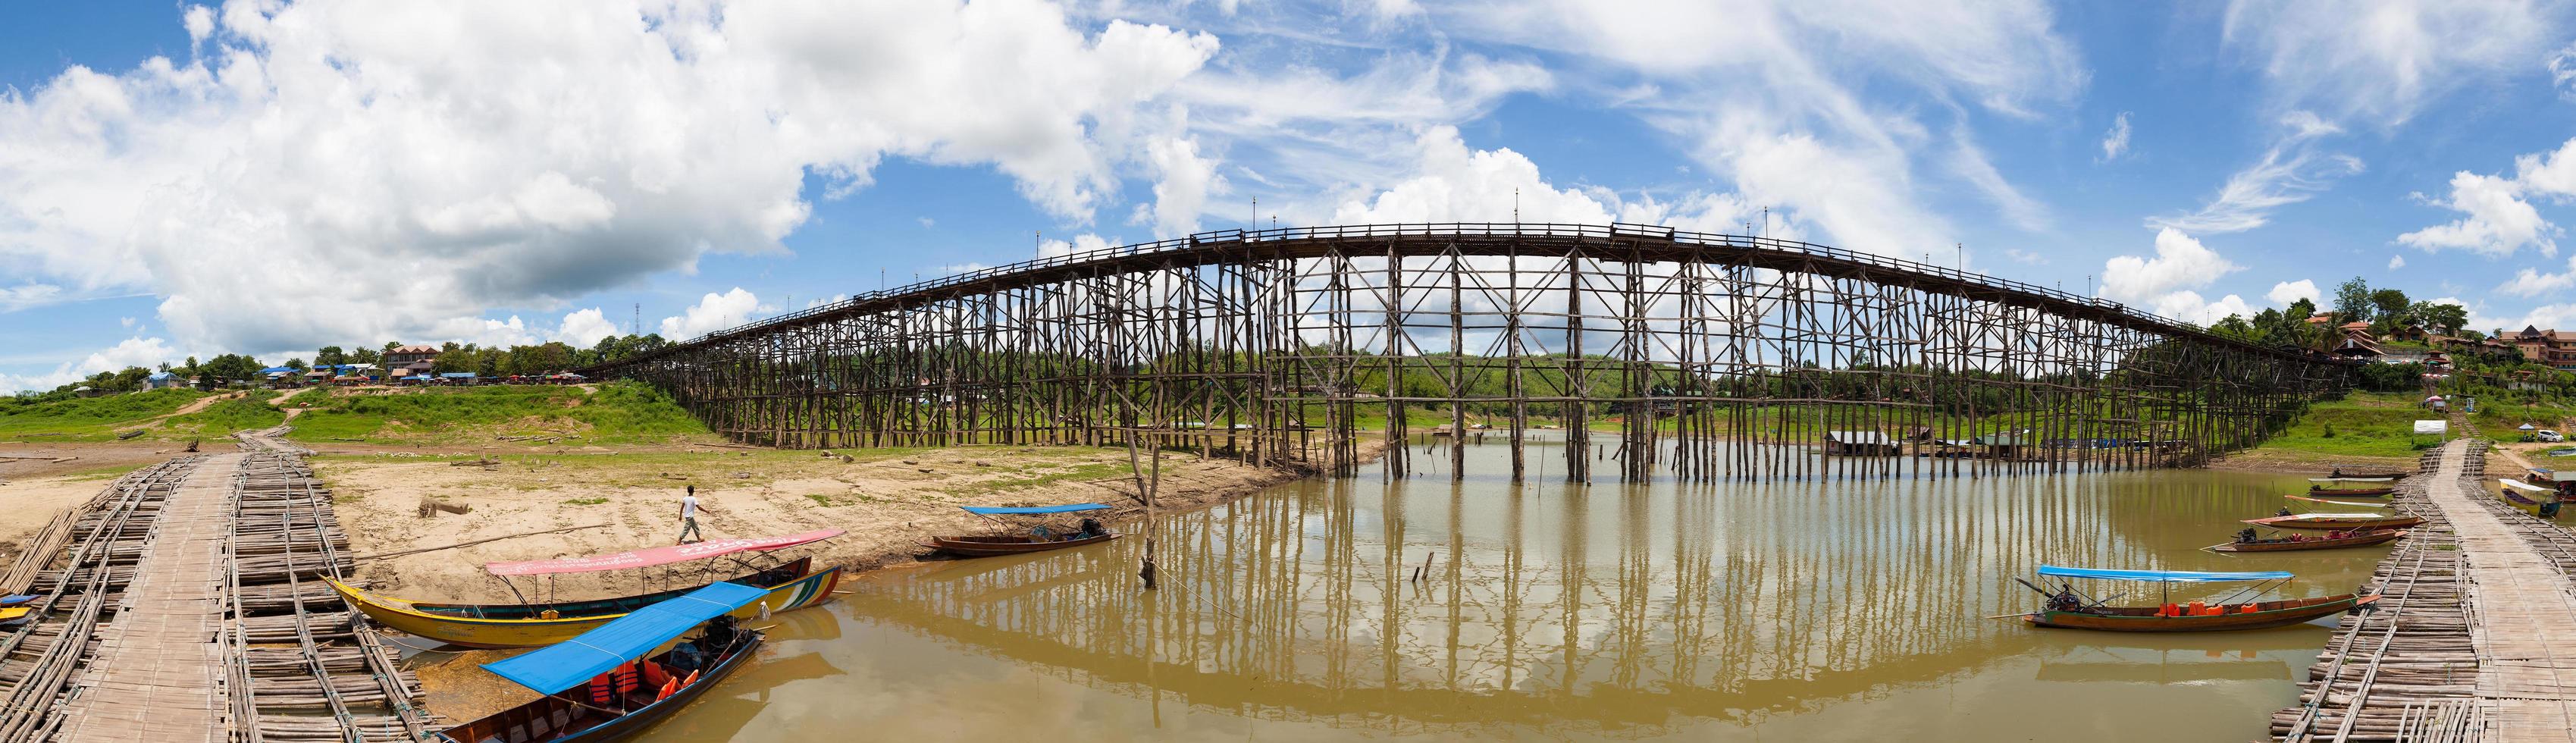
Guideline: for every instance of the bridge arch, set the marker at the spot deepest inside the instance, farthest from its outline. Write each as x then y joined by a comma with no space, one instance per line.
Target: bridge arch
1703,356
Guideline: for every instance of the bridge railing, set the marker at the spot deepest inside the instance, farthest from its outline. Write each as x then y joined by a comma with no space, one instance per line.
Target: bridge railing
1470,229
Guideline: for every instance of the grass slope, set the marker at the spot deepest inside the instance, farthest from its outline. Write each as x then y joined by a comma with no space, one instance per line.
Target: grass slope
619,412
250,411
88,419
2362,424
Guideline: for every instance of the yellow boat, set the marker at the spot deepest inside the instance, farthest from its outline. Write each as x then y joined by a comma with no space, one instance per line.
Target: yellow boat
475,632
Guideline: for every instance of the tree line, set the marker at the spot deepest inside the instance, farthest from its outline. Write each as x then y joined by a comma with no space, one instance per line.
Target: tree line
490,361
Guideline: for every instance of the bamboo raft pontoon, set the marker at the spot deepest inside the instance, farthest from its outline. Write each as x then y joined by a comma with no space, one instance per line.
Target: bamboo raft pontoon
2461,646
211,625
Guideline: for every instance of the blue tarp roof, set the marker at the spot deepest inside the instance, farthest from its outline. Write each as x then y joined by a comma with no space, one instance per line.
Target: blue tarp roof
2160,576
276,369
1068,508
567,664
458,375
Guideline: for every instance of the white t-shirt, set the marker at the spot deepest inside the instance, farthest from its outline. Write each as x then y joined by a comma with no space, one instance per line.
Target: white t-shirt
688,506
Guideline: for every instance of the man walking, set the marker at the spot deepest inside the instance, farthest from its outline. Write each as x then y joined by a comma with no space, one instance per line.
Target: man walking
689,516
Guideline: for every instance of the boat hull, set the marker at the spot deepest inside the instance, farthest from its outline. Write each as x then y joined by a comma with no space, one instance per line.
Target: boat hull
2143,619
2383,522
567,722
475,632
2349,492
2363,540
989,547
770,578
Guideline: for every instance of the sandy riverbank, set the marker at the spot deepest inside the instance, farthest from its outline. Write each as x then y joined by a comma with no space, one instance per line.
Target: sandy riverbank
890,501
2296,462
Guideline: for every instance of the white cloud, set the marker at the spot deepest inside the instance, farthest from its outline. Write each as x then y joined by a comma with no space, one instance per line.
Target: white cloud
1770,94
2116,141
2023,256
1970,162
2497,215
713,312
584,328
2290,171
135,351
2562,71
1454,183
424,158
2288,292
15,298
2532,283
2383,61
2188,306
1083,243
2180,263
2396,262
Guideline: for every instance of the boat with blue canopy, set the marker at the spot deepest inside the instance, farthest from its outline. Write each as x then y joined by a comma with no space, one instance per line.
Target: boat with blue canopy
1038,538
609,684
2070,608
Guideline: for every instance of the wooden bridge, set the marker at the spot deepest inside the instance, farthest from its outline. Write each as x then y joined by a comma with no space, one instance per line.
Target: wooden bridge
1697,356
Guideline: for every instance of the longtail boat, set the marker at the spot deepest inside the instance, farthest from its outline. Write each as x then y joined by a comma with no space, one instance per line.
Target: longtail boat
1035,540
2540,502
2367,474
526,625
602,685
2355,504
2333,480
2247,542
2337,521
2068,609
2349,492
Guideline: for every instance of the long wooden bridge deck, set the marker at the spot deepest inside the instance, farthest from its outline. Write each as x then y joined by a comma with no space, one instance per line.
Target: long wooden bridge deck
2464,642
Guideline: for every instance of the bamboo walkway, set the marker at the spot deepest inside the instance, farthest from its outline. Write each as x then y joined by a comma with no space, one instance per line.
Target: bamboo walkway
184,604
2462,645
156,672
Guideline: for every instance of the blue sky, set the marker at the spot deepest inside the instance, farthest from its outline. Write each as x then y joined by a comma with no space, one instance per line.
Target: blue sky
182,179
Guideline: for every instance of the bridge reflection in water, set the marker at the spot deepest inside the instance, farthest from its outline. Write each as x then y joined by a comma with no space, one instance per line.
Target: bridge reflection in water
1623,612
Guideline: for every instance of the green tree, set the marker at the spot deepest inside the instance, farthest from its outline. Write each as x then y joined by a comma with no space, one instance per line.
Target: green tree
296,364
330,356
2391,306
2352,301
2451,318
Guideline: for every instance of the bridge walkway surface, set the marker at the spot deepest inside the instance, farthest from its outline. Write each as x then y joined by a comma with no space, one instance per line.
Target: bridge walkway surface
157,672
2464,643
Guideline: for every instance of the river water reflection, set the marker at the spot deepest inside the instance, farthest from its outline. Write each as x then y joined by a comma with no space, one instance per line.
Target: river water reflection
1781,611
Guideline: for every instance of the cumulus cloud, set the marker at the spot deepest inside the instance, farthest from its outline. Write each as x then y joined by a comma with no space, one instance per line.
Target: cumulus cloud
2532,283
2385,61
2396,262
2188,306
425,158
2292,170
2180,262
131,352
1456,183
584,328
2288,292
713,312
2497,217
2116,141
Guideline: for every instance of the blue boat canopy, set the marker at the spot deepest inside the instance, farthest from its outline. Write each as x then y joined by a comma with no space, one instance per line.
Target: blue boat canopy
570,663
2159,576
1067,508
